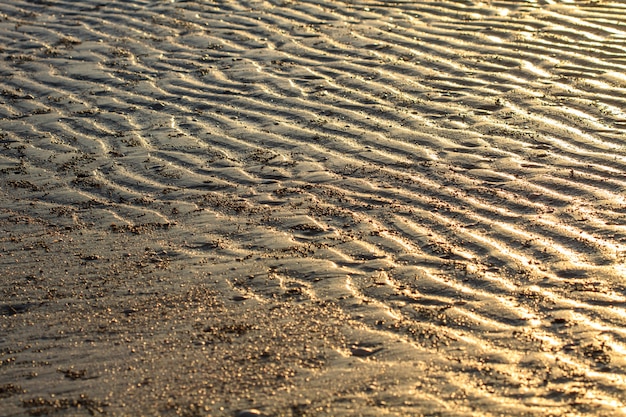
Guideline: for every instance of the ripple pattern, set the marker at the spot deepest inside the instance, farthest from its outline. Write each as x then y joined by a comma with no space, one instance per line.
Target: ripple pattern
450,174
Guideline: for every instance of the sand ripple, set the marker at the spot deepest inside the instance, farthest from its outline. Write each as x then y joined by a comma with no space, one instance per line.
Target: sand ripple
449,174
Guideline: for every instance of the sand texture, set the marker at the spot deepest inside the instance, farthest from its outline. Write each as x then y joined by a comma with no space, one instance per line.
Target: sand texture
312,208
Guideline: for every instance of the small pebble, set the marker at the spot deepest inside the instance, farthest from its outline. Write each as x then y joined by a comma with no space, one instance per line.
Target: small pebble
248,413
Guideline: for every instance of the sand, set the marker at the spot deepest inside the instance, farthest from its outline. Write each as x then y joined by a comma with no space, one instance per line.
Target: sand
312,208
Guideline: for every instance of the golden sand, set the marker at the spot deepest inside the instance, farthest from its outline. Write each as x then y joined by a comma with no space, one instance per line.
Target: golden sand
316,207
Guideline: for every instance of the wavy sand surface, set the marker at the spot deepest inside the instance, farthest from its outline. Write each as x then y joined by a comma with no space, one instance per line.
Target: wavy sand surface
312,207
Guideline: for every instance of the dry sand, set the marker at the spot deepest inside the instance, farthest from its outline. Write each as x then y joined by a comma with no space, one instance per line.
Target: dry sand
312,208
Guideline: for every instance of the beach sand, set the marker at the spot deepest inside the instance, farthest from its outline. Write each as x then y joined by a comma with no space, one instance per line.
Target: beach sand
312,208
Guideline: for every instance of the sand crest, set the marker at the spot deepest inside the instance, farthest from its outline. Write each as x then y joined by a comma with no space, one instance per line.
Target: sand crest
320,208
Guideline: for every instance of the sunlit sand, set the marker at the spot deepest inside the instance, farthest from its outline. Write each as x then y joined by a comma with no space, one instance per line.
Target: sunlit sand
320,208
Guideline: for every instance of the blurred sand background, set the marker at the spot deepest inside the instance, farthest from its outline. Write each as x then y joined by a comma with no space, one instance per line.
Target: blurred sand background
312,208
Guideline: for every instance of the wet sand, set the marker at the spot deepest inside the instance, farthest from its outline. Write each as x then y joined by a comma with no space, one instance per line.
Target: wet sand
320,208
